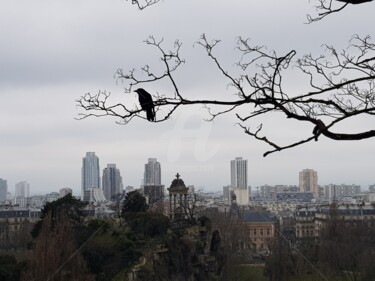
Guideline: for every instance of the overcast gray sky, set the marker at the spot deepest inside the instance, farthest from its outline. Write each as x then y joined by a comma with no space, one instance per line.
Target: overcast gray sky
52,52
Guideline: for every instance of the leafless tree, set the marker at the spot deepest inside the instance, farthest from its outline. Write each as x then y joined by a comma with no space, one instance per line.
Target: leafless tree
339,87
55,255
345,247
328,7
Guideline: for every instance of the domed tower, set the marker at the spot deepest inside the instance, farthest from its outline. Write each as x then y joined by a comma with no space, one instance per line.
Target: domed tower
177,198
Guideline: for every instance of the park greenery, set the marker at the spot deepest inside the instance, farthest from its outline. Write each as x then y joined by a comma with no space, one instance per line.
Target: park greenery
147,245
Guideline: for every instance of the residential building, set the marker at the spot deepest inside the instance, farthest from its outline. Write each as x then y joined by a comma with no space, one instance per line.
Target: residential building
22,189
226,194
152,188
94,195
309,222
242,196
112,183
338,192
260,228
153,193
238,168
16,224
152,173
90,173
294,197
3,190
305,223
308,182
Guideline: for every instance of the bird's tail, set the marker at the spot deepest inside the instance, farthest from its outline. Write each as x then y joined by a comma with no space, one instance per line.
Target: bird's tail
150,114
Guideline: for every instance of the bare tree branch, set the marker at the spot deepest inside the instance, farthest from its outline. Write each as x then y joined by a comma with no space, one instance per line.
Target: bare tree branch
328,7
341,86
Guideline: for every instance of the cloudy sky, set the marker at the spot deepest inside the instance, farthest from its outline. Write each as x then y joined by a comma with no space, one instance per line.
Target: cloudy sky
52,52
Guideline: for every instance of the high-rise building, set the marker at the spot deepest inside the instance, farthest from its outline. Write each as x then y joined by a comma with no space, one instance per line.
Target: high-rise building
22,189
152,175
90,173
3,190
152,187
238,168
112,182
308,182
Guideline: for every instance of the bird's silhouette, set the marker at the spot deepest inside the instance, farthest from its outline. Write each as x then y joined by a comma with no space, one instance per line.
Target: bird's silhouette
354,1
145,100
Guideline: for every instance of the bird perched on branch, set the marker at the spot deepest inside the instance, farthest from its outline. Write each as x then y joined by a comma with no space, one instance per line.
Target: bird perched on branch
146,103
354,1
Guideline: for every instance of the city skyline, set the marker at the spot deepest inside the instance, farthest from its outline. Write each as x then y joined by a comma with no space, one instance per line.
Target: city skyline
77,191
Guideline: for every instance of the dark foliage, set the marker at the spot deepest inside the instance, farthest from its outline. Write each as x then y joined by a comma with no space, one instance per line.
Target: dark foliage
10,269
111,252
68,205
149,224
134,204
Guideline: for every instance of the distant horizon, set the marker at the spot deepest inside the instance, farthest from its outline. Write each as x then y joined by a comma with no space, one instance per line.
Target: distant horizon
75,193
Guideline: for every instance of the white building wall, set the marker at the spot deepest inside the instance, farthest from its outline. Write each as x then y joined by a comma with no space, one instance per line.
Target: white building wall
242,196
238,168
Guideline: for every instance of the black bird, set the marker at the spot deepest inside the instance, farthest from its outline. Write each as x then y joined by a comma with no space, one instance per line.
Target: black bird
354,1
146,103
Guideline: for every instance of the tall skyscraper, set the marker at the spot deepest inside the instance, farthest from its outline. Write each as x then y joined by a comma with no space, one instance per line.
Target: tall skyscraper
152,175
238,168
152,187
308,182
3,190
112,182
90,172
22,189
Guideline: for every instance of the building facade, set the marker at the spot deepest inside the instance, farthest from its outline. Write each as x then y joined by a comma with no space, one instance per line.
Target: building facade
22,189
3,190
94,195
308,182
112,182
90,173
153,193
152,174
337,192
242,196
310,222
238,169
260,228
